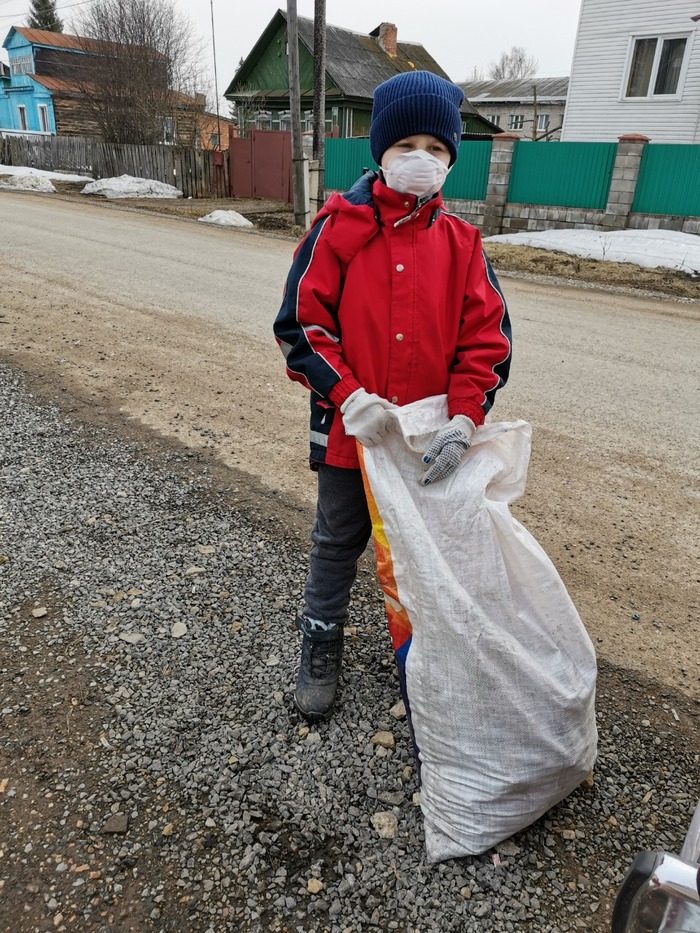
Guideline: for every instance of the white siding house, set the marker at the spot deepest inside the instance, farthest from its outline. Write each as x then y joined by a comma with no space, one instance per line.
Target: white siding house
636,69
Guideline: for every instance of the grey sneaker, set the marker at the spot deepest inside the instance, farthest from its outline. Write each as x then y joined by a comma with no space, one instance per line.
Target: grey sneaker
319,670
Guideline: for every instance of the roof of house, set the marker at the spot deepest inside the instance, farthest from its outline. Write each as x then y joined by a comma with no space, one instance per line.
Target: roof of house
62,40
516,89
67,87
356,63
58,85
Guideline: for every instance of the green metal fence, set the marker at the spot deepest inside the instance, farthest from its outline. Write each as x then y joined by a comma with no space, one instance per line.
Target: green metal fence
469,176
555,174
346,158
669,181
344,161
562,174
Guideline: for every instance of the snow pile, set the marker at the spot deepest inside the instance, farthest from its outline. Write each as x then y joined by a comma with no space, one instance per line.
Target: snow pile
40,173
26,183
668,249
126,186
226,219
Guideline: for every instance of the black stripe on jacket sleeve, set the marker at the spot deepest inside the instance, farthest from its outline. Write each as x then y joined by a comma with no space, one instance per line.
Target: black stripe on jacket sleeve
502,369
304,363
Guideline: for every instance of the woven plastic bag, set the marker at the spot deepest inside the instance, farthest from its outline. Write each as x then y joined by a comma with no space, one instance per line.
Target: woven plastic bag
496,669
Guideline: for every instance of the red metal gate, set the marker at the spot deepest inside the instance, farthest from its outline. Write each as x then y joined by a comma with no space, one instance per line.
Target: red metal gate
261,165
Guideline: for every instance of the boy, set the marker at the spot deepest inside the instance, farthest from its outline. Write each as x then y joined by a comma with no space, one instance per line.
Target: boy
389,300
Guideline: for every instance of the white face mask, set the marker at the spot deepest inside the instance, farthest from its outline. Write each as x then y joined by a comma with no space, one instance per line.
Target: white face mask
417,172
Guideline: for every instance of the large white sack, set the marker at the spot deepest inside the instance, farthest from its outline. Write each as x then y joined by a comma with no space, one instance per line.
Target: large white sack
496,667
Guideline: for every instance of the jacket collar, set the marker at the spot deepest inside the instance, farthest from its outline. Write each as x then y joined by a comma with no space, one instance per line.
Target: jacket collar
391,208
395,209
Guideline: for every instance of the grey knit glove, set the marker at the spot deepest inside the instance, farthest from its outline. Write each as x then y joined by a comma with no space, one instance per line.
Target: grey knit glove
366,417
445,453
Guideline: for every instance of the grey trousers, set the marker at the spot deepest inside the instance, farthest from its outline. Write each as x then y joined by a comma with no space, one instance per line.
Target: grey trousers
339,536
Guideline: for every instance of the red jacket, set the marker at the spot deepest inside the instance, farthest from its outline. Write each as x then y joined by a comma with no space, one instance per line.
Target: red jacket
398,299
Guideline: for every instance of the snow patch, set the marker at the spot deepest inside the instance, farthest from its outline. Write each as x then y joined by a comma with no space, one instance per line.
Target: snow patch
26,183
653,249
126,186
226,219
40,173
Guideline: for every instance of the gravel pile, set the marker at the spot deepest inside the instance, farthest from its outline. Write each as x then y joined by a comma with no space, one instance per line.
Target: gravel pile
154,774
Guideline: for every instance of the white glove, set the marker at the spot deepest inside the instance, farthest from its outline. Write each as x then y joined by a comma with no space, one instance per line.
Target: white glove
366,417
448,448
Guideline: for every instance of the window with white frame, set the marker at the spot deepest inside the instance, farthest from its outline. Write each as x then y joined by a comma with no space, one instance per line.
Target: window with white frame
494,118
516,121
169,130
21,65
542,122
22,114
656,66
44,118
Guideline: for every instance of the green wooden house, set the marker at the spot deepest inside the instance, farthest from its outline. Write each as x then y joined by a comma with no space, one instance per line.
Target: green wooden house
355,65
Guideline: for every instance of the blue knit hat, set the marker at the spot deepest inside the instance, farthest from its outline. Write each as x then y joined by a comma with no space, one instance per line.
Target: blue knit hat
415,102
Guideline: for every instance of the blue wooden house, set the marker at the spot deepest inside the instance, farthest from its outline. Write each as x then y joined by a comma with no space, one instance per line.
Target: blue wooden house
44,90
26,105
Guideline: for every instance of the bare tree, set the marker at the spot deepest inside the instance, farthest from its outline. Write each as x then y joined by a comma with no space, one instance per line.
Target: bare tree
477,74
517,63
140,68
247,108
43,15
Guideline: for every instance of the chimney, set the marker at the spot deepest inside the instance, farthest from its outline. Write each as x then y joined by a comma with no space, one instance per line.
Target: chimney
387,37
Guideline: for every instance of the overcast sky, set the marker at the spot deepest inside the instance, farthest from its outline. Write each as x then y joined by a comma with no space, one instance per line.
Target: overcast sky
459,34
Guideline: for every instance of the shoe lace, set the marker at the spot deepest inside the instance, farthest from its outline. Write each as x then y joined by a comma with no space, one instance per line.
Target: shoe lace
320,659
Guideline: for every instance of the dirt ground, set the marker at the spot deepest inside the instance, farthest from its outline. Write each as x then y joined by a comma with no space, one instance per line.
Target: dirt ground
171,382
625,548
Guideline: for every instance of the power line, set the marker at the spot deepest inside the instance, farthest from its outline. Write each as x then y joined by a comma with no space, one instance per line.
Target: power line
66,6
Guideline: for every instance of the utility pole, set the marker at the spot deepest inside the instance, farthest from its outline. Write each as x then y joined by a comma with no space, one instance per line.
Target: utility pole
535,114
320,93
216,80
298,185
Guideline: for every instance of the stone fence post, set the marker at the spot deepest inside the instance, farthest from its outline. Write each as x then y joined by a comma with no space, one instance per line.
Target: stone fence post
624,180
502,149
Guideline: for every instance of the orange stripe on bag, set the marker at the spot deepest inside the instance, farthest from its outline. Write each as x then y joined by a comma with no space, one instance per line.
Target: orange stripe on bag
400,628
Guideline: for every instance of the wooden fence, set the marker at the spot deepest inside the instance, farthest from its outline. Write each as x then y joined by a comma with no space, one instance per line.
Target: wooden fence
198,173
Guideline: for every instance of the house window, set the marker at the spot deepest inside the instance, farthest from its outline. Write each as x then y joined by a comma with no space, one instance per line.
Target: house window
21,65
655,66
214,140
169,130
542,122
516,121
44,118
22,114
495,119
308,120
263,120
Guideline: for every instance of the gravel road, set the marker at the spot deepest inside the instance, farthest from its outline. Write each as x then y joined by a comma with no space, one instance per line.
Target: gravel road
166,323
153,532
153,772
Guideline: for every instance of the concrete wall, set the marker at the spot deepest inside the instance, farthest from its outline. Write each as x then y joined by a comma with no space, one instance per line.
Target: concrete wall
520,217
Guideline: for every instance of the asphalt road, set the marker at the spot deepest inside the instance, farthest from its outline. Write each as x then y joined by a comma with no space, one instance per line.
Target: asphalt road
608,381
610,369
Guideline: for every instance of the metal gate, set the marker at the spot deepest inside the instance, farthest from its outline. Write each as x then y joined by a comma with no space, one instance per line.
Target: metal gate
261,165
